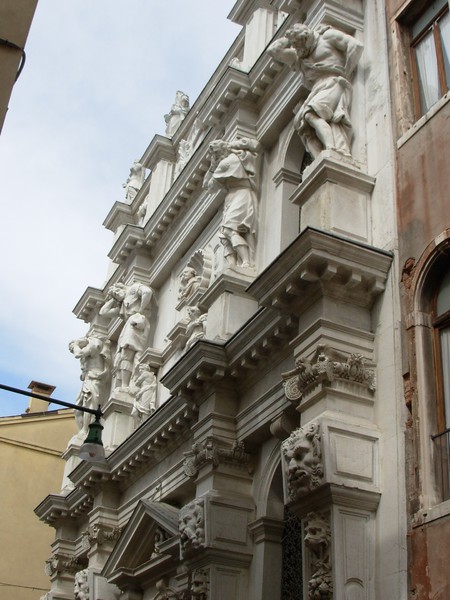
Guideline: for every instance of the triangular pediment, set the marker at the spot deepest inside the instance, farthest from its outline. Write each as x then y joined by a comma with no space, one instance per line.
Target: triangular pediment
146,538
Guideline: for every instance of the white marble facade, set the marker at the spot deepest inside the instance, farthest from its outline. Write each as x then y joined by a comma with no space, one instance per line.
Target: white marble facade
251,324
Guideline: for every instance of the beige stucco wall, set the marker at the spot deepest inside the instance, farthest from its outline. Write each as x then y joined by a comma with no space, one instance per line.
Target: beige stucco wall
15,22
30,468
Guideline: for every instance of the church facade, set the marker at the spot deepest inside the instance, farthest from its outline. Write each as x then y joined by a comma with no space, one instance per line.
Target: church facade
250,349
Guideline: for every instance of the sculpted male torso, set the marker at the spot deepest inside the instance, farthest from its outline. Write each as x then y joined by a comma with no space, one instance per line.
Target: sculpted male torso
326,57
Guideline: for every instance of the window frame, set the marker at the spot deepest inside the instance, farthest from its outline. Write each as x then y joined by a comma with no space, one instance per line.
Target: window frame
433,26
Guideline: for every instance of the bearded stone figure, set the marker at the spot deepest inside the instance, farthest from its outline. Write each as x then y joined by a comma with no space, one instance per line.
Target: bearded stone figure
303,459
326,57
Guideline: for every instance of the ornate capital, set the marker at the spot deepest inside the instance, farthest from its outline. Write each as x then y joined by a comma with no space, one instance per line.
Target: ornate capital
327,365
58,563
210,453
99,534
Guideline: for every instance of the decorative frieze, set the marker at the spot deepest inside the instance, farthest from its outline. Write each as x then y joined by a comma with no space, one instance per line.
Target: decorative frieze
210,453
326,366
303,461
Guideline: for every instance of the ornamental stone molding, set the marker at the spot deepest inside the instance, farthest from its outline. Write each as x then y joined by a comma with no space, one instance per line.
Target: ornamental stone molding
326,366
303,461
318,541
191,525
59,563
99,534
209,453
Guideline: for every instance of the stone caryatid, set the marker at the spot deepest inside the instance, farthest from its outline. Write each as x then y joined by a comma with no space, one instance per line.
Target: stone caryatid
143,388
191,524
318,541
177,114
326,57
94,354
196,327
131,303
134,182
303,459
234,165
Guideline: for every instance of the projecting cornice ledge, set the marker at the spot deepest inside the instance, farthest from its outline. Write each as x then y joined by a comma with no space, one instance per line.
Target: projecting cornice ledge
131,238
204,361
319,263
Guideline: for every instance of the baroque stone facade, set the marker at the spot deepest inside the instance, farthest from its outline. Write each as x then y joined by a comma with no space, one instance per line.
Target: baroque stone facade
251,401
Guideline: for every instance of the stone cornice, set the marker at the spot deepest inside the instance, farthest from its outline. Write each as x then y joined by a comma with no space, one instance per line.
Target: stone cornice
160,148
131,238
148,443
328,264
56,507
120,214
232,85
330,493
88,304
328,169
203,362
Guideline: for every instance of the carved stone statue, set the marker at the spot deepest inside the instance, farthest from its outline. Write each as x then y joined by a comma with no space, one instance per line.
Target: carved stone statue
191,524
177,113
234,166
189,283
134,182
326,58
318,541
81,586
303,456
130,302
187,147
196,328
142,213
94,355
143,388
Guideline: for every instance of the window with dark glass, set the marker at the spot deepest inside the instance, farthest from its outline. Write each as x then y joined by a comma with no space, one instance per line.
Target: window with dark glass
441,325
430,49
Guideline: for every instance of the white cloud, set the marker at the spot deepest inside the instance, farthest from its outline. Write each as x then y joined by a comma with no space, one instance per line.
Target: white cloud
98,79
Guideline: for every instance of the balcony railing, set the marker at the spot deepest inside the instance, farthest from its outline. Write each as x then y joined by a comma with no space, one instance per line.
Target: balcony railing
441,443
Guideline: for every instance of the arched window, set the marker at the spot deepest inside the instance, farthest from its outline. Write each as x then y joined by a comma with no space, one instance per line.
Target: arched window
441,329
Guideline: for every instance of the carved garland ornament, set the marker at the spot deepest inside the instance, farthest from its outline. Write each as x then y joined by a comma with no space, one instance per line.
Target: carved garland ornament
303,461
327,366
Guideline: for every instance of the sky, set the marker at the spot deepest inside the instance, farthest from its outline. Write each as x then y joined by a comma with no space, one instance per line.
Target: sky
98,79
